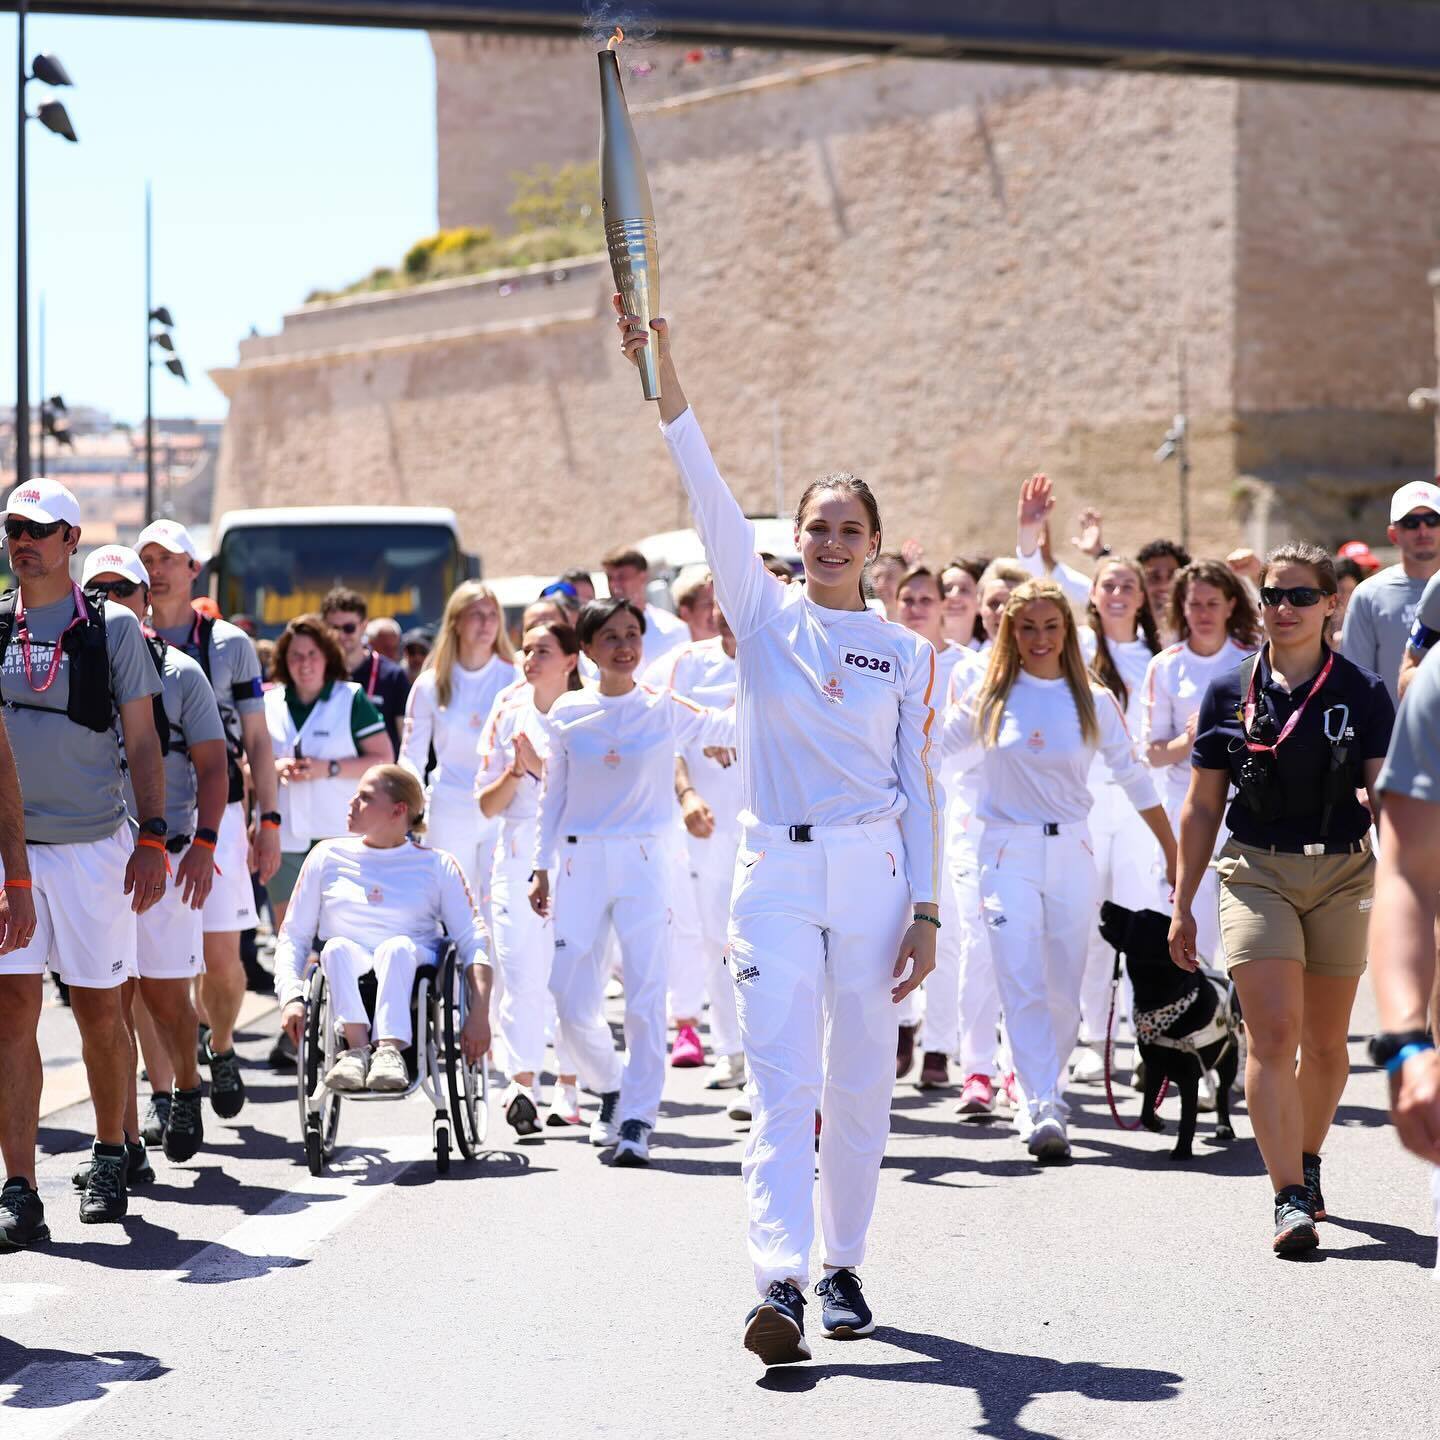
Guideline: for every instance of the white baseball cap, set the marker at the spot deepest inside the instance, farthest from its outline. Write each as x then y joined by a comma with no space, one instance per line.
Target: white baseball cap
169,533
118,558
1414,496
44,500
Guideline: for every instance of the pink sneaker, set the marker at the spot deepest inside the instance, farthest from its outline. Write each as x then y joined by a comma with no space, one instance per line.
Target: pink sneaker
1010,1090
977,1098
687,1053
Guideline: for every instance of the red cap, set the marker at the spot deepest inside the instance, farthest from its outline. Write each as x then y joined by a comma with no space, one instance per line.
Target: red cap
1360,553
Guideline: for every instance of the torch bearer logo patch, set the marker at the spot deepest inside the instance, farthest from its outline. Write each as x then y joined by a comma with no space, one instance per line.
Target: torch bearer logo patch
834,689
1036,742
375,895
612,759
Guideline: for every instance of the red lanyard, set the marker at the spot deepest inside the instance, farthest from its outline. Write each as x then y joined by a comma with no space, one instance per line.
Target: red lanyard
374,674
58,652
1290,724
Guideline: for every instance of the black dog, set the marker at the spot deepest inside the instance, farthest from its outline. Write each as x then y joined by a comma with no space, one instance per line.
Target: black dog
1172,1004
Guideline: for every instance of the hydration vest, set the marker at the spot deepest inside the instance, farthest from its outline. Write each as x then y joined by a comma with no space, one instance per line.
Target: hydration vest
234,744
91,701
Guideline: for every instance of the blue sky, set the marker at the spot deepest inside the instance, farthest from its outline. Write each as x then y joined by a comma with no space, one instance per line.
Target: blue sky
282,157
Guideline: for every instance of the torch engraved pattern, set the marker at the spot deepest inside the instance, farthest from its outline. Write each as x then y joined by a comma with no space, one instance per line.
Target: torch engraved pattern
635,263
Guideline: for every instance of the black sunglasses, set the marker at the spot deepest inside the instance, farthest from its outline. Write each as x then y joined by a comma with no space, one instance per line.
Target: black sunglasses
120,589
1428,518
349,627
1301,597
16,526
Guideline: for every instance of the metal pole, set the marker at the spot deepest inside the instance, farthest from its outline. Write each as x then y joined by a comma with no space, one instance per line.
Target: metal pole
149,375
44,401
22,278
1182,455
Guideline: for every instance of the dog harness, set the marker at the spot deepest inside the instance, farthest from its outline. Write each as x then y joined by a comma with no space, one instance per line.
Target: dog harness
1152,1026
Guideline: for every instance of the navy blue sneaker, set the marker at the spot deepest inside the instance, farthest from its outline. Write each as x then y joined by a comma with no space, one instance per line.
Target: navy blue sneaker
846,1315
775,1328
1294,1224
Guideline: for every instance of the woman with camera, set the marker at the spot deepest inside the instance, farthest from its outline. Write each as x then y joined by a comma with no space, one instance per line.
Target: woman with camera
1297,730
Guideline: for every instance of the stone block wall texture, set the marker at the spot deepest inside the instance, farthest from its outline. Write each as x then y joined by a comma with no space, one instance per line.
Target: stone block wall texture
942,276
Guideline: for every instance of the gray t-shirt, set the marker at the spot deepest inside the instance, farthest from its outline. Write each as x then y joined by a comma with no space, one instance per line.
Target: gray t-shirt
1413,765
233,666
1427,612
194,718
1377,623
70,775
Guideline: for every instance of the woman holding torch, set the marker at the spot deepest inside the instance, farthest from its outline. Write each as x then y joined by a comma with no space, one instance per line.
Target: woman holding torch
833,916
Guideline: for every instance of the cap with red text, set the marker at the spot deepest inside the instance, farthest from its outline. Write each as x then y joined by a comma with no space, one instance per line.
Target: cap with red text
170,534
116,559
44,500
1417,495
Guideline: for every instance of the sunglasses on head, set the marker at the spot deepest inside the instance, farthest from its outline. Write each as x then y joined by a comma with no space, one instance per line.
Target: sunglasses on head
1428,518
120,589
16,526
1300,597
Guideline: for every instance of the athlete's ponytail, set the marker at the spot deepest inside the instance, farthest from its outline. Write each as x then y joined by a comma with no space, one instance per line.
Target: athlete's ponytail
842,482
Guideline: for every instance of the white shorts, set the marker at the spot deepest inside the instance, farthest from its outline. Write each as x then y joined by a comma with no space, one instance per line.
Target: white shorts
231,902
84,926
170,943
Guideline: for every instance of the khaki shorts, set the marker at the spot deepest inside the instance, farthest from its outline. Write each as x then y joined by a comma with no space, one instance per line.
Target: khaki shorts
1310,908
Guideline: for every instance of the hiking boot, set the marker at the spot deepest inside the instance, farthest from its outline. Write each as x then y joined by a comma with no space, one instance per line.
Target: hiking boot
106,1198
846,1315
227,1084
775,1328
157,1117
1312,1185
934,1071
905,1051
633,1147
22,1216
1294,1224
187,1125
138,1169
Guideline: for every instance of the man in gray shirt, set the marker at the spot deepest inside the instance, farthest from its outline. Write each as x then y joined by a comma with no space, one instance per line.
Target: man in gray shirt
66,670
1382,609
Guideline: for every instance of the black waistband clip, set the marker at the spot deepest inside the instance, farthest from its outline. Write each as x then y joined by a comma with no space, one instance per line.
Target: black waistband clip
1051,828
801,833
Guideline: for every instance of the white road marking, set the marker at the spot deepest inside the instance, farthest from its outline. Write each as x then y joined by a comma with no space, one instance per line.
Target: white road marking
49,1398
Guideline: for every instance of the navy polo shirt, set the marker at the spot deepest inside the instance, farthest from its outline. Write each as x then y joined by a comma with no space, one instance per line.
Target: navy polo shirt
1303,761
388,687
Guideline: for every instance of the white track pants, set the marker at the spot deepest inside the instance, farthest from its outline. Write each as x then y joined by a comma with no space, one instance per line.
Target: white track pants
394,962
979,994
814,931
1039,898
624,882
1206,905
702,920
685,970
524,951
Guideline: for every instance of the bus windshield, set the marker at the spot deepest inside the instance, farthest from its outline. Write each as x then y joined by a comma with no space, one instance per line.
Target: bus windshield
276,572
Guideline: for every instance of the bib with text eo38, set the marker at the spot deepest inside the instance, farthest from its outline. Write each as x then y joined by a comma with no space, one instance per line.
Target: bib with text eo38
867,662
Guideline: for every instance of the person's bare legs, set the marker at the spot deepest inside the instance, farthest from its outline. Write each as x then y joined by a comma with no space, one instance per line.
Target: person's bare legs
132,1099
20,1073
223,987
105,1043
1324,1053
153,1045
1272,999
173,1017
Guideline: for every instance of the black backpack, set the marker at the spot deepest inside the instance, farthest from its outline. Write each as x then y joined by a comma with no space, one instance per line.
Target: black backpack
91,701
234,745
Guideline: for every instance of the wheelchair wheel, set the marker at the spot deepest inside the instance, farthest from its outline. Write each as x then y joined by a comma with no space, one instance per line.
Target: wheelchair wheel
469,1085
442,1147
319,1107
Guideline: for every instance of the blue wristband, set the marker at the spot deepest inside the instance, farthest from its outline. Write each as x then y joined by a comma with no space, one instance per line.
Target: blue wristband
1422,638
1404,1053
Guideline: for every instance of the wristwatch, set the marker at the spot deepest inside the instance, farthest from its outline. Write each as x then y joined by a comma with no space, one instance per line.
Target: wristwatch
207,835
334,768
1385,1047
156,827
271,817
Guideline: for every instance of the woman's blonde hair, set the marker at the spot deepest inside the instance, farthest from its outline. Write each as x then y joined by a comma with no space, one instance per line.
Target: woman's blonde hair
447,643
1005,664
402,786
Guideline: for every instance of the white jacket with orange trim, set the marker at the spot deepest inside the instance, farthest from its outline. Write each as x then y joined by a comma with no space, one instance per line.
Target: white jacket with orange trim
611,764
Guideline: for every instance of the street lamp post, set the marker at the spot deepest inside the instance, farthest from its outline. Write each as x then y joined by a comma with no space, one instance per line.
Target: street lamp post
154,340
51,114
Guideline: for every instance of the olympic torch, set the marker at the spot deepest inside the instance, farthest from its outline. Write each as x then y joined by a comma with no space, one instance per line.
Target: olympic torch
628,212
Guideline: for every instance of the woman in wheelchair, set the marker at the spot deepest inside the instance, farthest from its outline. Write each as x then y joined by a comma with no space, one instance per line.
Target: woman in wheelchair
381,901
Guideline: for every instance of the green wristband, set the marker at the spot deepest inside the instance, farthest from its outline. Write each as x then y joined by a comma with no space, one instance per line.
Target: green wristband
927,919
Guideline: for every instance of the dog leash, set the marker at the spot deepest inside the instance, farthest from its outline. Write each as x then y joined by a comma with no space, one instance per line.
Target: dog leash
1109,1052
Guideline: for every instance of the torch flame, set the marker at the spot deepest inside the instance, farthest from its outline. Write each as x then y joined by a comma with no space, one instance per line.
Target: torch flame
616,39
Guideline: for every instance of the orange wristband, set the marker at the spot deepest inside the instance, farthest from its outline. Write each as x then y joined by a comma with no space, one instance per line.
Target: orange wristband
268,825
204,844
151,842
18,885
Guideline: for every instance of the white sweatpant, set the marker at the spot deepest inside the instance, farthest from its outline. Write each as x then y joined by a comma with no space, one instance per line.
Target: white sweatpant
685,965
394,962
453,822
979,994
524,950
1039,898
701,906
1206,905
814,931
621,881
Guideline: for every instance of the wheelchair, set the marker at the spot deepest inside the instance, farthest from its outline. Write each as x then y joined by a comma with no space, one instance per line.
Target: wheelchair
458,1091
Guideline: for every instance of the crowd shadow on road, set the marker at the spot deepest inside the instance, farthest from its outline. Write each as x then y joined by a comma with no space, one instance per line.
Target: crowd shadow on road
51,1379
487,1165
1395,1243
154,1250
1003,1383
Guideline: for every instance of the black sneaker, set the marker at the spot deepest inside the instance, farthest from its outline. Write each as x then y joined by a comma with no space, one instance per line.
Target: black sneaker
157,1117
227,1084
282,1054
1312,1184
138,1169
775,1328
106,1197
846,1314
1294,1224
186,1132
521,1115
22,1216
633,1146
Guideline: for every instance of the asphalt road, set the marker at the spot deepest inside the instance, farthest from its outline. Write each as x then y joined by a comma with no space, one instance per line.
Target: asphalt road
539,1293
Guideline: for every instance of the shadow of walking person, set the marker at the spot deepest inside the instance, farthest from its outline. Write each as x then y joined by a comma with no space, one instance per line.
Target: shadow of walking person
1003,1383
50,1379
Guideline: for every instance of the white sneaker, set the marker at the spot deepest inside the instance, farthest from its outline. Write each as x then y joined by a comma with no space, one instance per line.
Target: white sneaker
564,1106
1087,1065
1048,1141
520,1113
633,1147
605,1127
727,1073
387,1071
348,1073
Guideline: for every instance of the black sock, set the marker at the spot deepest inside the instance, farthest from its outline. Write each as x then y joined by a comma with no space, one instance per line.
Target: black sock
113,1152
1293,1192
194,1090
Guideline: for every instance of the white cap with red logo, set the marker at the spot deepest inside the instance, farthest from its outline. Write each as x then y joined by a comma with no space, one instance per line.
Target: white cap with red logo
169,533
117,559
44,500
1418,494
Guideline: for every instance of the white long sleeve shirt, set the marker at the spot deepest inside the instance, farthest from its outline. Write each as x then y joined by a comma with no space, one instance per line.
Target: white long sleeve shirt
835,708
1175,684
1132,659
701,671
1038,771
611,764
960,766
454,729
513,714
1074,583
354,891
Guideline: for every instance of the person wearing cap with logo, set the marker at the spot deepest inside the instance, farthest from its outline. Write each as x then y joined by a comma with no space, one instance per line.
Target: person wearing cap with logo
1295,730
1382,609
227,656
171,942
67,666
385,683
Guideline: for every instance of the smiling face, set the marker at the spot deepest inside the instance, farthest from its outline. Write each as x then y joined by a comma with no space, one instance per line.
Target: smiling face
545,663
919,608
1295,625
616,646
699,613
961,603
1040,637
835,539
305,661
1117,595
992,605
1207,610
